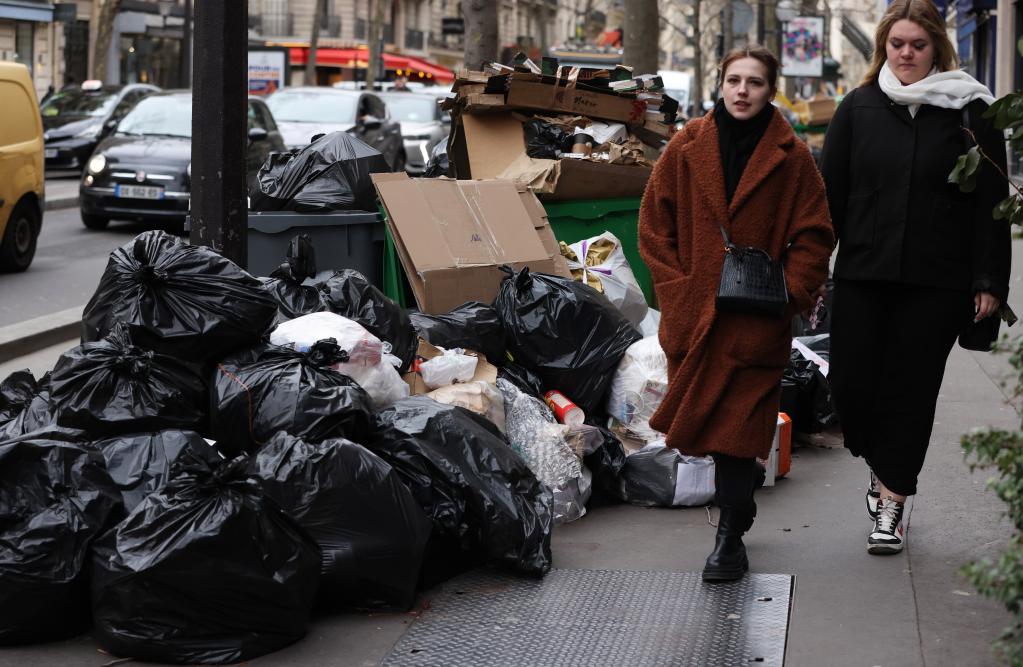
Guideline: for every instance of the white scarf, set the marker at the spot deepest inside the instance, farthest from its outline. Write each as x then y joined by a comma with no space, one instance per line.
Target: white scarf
948,90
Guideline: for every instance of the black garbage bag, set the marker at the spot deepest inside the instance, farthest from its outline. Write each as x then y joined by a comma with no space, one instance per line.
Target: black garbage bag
545,141
330,174
523,378
472,325
35,415
286,283
208,570
141,463
268,388
439,164
606,463
349,294
806,396
16,393
354,505
565,331
179,299
113,386
476,489
55,498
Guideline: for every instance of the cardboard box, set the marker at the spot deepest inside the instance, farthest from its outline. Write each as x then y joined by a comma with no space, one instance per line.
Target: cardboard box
599,106
820,110
451,236
485,371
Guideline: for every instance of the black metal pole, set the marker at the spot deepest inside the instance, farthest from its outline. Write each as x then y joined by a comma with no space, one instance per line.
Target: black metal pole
185,72
761,22
219,119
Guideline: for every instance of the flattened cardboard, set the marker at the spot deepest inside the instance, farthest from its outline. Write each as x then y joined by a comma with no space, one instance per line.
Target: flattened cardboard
546,97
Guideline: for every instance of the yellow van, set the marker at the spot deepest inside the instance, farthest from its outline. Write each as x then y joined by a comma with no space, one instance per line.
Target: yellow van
21,168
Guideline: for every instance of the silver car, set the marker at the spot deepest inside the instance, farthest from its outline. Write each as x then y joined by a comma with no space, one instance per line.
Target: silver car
423,125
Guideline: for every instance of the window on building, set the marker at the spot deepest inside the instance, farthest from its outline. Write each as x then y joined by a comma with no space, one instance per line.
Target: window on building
24,47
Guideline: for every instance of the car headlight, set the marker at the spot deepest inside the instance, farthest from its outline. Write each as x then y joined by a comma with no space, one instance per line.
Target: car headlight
90,132
97,163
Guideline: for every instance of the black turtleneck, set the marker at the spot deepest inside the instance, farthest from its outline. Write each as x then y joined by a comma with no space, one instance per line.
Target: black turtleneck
737,139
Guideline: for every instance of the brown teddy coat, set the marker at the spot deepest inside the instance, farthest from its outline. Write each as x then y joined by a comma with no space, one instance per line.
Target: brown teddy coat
724,369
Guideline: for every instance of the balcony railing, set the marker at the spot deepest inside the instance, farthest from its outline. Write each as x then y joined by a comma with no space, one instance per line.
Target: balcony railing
415,39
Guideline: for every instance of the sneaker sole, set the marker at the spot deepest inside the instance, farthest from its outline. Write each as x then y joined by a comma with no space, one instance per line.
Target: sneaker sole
883,549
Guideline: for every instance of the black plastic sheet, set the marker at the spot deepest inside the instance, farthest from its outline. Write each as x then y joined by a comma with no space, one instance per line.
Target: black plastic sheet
16,393
330,174
268,388
208,570
55,498
545,141
349,294
178,299
565,331
606,463
35,415
113,386
476,489
439,164
286,283
473,325
355,506
523,378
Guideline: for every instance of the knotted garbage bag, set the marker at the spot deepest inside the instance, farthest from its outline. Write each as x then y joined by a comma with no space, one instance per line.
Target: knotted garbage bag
208,570
566,332
267,389
606,462
545,141
55,498
354,505
330,174
178,299
439,164
350,294
286,283
141,463
469,481
16,393
35,414
113,386
473,326
805,390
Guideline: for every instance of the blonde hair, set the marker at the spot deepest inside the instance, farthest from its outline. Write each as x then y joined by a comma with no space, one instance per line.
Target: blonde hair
923,13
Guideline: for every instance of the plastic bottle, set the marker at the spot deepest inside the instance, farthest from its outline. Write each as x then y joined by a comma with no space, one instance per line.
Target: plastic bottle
565,410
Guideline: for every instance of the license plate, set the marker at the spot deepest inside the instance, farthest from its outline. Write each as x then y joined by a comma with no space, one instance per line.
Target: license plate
139,192
50,152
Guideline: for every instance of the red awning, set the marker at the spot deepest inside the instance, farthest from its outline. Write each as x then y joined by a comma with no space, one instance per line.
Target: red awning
358,58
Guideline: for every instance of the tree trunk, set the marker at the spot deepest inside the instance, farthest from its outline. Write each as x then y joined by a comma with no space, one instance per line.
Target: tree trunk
727,20
376,42
104,32
314,39
642,28
697,92
480,32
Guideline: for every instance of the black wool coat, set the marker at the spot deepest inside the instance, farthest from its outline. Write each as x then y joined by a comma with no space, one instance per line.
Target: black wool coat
896,216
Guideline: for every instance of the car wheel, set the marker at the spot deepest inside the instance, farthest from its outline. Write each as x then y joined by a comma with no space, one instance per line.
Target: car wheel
399,162
18,246
95,221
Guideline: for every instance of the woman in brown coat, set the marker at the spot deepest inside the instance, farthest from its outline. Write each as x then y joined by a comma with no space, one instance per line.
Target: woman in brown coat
742,167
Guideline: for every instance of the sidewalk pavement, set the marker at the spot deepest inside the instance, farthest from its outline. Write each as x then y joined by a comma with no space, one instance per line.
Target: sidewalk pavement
61,192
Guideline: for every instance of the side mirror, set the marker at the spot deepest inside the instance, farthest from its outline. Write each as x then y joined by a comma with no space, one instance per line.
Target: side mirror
257,134
370,122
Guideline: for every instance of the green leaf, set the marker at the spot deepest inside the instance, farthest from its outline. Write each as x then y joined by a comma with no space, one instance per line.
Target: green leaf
965,172
1005,208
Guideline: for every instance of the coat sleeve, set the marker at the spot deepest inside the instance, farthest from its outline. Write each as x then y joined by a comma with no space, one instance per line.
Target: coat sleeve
810,236
658,222
836,158
992,241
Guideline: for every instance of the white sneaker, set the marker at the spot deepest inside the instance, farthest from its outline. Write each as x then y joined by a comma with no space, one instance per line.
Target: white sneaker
873,496
888,535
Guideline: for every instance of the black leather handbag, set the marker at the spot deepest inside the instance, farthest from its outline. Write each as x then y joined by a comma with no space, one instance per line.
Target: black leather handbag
751,282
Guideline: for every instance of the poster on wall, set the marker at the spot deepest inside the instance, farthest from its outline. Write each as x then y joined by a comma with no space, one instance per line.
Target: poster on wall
268,70
803,48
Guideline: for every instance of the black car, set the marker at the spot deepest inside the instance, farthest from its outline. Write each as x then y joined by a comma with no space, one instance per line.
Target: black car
142,171
76,119
305,112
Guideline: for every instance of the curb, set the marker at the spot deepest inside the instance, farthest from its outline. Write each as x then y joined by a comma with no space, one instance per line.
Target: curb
60,202
30,336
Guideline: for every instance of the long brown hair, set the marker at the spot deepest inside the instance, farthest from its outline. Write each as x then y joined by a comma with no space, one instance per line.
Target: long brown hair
923,13
757,52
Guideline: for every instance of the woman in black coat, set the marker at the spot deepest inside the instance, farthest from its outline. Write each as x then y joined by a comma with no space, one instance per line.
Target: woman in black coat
918,261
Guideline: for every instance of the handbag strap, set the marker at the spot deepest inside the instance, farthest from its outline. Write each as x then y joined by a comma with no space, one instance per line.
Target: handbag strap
728,241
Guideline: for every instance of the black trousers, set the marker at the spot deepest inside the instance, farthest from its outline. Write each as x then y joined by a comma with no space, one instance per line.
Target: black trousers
889,345
735,479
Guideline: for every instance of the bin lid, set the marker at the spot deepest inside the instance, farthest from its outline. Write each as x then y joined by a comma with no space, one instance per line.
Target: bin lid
276,222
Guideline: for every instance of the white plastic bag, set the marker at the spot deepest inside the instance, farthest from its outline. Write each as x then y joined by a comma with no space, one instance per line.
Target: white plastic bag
482,398
651,323
602,260
450,367
638,387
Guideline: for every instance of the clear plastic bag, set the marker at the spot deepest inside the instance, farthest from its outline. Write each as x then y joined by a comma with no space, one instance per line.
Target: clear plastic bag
638,388
448,368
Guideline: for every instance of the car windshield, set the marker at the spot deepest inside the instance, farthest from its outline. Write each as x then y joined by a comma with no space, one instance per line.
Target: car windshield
79,103
163,115
312,107
412,108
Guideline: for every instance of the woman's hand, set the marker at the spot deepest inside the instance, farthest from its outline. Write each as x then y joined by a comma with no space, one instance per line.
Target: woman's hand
821,292
985,304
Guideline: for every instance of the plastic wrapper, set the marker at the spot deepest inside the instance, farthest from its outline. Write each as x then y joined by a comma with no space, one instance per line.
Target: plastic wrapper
55,498
448,368
540,441
285,284
179,299
658,476
545,141
330,174
600,263
567,332
350,294
113,386
208,570
141,463
472,326
480,397
477,491
439,164
269,388
354,505
35,415
638,388
367,364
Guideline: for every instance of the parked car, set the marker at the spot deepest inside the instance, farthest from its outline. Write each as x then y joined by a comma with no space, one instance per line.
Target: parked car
143,170
423,125
76,119
21,168
304,112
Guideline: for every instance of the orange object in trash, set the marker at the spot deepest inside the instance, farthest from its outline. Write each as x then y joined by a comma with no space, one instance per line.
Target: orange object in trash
784,444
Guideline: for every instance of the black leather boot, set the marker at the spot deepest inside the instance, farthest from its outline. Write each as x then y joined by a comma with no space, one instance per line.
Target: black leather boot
728,561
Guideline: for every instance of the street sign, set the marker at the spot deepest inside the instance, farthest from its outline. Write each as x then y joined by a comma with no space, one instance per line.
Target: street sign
452,26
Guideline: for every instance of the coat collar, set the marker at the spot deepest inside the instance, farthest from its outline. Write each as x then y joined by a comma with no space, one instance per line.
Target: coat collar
768,156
